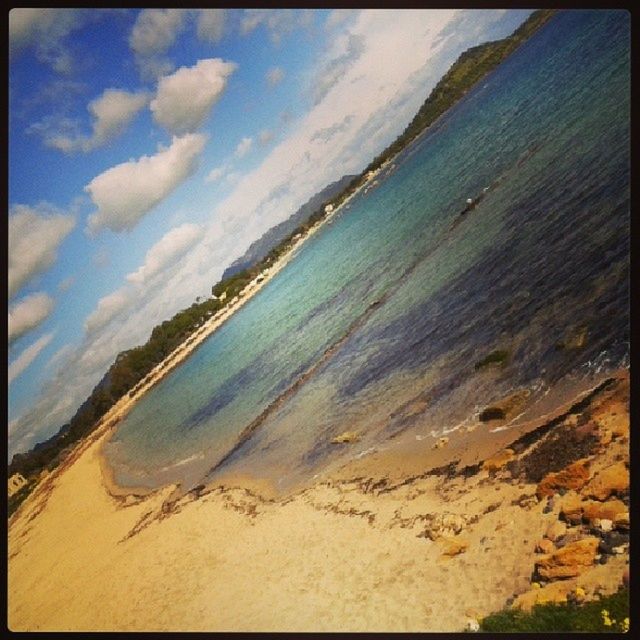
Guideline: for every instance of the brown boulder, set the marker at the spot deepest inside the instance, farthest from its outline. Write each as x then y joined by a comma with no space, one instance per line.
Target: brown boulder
613,479
499,460
555,530
554,592
545,546
575,476
570,561
571,508
609,510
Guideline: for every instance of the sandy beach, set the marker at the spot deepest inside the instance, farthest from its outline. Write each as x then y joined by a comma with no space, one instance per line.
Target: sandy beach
390,542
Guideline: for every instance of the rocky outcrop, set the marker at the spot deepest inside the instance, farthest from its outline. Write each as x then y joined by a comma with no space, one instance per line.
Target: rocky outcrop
575,476
569,561
610,481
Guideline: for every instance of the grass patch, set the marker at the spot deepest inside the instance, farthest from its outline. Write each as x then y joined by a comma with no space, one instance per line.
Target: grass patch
608,614
499,357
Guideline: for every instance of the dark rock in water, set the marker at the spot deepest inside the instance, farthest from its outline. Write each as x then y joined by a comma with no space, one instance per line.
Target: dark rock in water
576,340
507,407
492,413
499,357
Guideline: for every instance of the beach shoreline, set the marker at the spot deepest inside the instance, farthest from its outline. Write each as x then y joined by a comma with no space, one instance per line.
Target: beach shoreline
365,548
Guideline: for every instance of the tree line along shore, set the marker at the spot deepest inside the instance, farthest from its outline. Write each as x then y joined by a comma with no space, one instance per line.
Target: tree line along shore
132,366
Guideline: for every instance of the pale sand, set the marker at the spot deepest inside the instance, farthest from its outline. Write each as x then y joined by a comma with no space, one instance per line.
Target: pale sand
331,557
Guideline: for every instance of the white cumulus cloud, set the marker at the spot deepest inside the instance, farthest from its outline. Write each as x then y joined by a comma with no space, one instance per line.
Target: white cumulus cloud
29,313
107,309
27,357
112,112
126,192
184,98
45,30
35,233
244,146
166,252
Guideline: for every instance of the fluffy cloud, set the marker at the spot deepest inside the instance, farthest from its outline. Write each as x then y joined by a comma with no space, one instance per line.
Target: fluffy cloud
107,309
126,192
211,24
112,112
153,33
166,252
274,76
244,146
155,30
35,233
184,98
29,313
27,357
44,30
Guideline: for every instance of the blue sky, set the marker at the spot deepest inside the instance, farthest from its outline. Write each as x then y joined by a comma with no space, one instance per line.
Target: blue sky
149,148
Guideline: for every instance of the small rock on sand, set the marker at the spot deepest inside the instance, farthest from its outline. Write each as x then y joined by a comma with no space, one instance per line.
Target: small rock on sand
441,442
347,437
545,546
453,547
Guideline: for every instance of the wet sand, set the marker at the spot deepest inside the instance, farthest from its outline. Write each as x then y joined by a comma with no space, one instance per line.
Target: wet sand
364,549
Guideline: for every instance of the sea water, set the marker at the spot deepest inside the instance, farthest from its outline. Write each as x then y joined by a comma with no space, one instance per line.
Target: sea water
376,325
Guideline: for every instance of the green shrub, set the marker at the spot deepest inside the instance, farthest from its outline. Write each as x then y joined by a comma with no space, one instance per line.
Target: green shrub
607,614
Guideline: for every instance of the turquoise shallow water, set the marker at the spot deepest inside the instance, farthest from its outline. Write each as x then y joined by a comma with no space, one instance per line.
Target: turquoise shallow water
391,304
